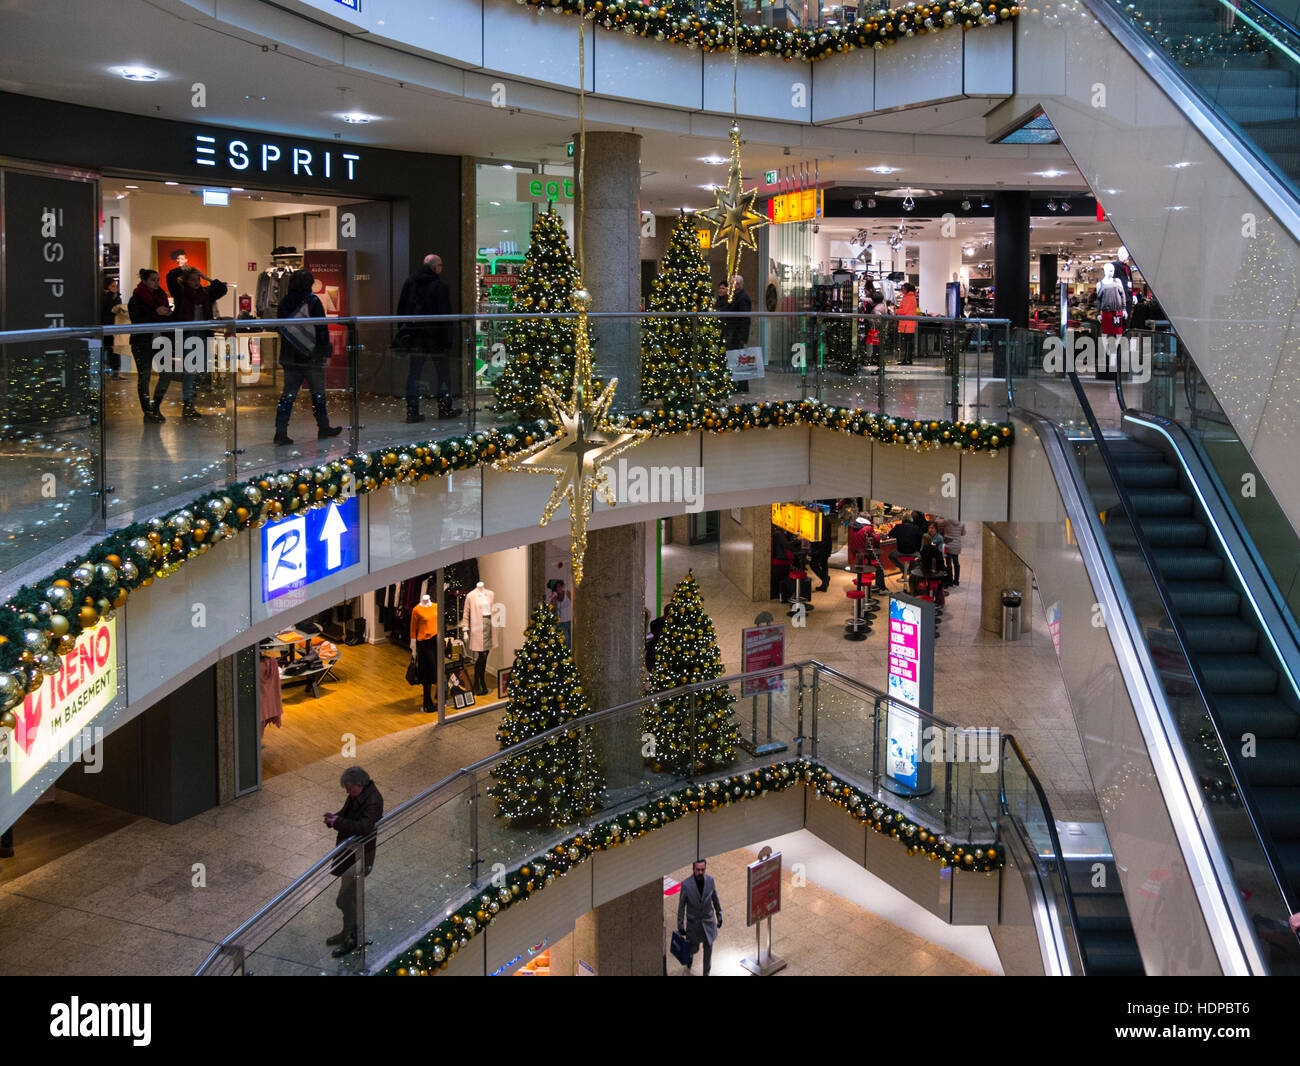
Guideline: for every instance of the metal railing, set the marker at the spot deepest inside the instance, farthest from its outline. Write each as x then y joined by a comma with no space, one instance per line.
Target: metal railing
439,849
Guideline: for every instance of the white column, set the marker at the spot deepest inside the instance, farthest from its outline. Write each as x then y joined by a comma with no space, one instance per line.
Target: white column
939,261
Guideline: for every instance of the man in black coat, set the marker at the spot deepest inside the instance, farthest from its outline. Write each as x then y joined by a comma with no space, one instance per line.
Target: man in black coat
735,331
907,537
361,812
425,293
304,351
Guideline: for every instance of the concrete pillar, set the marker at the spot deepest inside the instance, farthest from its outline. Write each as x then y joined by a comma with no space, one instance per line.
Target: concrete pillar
1001,568
745,551
1011,257
466,271
940,260
624,937
610,207
1048,265
227,709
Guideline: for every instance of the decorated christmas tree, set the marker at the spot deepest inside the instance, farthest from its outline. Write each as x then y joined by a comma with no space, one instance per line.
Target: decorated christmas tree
540,350
687,651
683,360
558,783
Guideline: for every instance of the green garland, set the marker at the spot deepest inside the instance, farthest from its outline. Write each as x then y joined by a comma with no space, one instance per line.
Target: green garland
435,949
659,20
40,623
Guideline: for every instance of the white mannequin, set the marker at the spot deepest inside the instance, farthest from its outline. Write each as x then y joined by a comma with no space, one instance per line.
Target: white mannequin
478,606
1111,284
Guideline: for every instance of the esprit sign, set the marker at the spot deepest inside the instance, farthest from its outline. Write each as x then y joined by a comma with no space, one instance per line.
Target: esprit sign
540,189
251,155
65,703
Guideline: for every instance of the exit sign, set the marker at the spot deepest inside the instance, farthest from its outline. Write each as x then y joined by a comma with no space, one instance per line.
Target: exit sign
568,149
770,177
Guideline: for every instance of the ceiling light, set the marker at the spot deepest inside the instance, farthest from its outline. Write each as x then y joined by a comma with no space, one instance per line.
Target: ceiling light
132,186
857,205
882,169
908,202
171,182
1177,207
965,205
1065,205
138,73
357,118
507,166
120,196
259,99
1051,205
495,203
1180,166
709,188
1051,173
871,202
714,160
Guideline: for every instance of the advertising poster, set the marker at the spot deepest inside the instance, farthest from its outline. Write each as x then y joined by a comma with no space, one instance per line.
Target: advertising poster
905,651
329,267
1054,625
761,647
903,757
745,363
763,895
66,703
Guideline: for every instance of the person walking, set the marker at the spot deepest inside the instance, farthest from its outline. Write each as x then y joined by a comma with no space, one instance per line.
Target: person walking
907,330
561,599
425,293
176,276
357,818
148,304
111,313
697,905
820,555
953,531
304,351
196,303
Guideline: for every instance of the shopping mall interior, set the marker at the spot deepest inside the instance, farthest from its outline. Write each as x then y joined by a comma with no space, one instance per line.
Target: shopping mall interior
914,567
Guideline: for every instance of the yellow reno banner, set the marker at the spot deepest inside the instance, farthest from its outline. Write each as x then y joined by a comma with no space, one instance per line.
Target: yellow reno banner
65,703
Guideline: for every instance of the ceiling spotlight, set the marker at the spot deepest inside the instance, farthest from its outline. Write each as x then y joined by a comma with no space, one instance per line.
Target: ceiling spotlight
1065,205
138,73
871,202
883,170
357,118
965,205
714,160
984,202
857,205
507,166
908,202
1099,242
1051,173
131,186
171,182
1051,205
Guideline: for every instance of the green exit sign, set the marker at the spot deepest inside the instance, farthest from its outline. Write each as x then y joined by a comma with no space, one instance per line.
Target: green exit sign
568,149
770,177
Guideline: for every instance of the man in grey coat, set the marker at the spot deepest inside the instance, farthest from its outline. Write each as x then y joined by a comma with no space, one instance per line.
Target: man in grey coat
696,907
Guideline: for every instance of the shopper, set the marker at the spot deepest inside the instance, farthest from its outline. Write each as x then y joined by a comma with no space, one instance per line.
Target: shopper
304,350
561,600
932,550
737,329
148,304
907,540
782,560
358,817
696,906
196,303
111,311
176,276
953,531
820,555
656,629
425,293
907,330
721,300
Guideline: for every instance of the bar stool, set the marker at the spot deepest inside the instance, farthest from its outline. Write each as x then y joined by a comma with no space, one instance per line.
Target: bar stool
799,577
904,568
859,626
930,587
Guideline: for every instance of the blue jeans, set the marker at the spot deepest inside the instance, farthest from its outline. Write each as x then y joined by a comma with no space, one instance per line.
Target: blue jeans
295,374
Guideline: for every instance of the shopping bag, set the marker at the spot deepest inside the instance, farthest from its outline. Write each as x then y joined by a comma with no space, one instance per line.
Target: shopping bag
412,673
680,949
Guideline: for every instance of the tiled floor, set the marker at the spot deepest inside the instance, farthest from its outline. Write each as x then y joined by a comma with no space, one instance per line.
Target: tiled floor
151,898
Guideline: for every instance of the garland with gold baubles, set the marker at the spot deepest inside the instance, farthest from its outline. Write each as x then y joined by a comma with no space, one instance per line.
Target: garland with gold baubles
436,948
41,622
877,30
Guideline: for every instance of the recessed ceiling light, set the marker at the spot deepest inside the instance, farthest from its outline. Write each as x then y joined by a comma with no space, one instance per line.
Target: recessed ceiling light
171,182
120,196
507,166
138,73
1177,207
1050,173
131,186
259,99
495,203
882,169
714,160
357,118
1180,166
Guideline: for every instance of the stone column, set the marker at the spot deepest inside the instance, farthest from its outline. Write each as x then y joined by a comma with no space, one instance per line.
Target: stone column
1011,256
610,208
940,260
1001,568
624,937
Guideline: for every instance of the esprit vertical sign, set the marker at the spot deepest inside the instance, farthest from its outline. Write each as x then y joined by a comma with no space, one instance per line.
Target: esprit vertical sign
251,155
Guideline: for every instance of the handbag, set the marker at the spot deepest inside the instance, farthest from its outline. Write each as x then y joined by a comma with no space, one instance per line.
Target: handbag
680,948
412,673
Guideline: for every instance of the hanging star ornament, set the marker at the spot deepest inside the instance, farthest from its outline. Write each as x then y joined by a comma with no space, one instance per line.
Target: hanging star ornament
733,216
578,453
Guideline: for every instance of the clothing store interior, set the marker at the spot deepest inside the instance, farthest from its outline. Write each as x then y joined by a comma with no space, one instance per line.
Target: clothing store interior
369,665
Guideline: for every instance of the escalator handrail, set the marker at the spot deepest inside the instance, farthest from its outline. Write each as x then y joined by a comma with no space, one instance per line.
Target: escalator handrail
1062,877
1276,192
1248,800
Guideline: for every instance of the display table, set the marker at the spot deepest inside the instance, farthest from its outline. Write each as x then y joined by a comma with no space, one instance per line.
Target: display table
294,649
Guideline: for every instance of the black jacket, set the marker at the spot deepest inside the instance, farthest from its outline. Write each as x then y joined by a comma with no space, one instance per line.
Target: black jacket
301,345
907,536
737,329
143,307
424,293
357,819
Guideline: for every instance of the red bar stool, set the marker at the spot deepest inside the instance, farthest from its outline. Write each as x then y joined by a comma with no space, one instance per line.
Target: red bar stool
904,568
799,577
857,627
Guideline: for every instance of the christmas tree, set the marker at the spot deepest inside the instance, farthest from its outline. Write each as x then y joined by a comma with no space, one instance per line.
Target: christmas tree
540,349
687,651
683,360
559,783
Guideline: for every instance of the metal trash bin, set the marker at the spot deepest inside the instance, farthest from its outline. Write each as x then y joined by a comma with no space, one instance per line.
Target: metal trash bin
1010,614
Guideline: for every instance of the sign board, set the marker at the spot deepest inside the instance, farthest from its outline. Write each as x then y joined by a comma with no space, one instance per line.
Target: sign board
763,888
284,157
769,177
804,522
745,364
706,239
304,548
568,149
543,189
66,703
1054,625
905,763
802,206
911,681
761,647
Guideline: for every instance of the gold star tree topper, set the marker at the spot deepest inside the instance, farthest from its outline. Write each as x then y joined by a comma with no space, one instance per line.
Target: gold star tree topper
578,453
733,216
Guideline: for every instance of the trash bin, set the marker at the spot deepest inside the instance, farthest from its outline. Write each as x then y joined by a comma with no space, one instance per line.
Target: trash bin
1010,614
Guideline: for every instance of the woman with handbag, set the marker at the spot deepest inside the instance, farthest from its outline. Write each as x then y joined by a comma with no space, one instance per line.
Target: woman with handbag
304,351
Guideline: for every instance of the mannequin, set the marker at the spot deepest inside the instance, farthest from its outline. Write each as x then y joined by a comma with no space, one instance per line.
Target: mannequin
1112,303
424,647
476,627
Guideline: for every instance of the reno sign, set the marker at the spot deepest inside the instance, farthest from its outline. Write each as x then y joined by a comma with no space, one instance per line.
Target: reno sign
67,702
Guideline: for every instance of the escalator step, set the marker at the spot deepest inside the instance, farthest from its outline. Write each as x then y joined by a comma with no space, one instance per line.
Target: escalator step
1112,953
1142,475
1279,808
1208,633
1238,674
1167,532
1204,598
1125,450
1195,565
1161,502
1275,763
1267,717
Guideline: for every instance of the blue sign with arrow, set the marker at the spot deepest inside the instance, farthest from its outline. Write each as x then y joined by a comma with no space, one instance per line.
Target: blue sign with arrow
304,548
